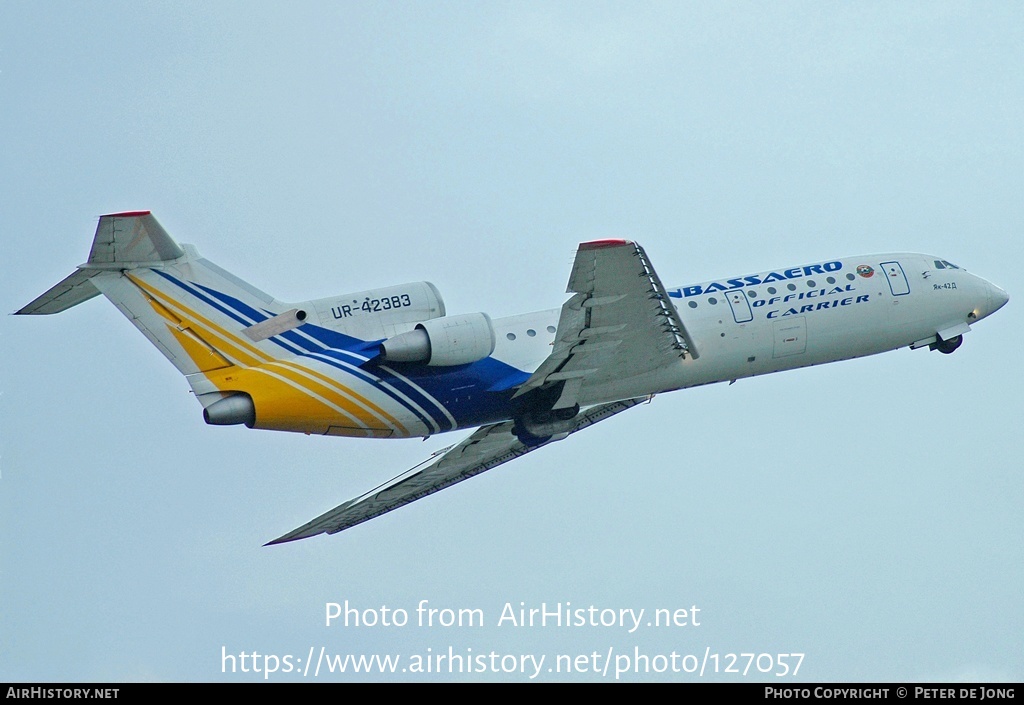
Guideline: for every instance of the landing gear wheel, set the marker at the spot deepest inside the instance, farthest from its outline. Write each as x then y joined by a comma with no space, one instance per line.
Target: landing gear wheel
567,413
528,439
947,346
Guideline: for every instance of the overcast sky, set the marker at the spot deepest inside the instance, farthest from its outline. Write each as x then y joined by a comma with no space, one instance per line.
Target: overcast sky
866,514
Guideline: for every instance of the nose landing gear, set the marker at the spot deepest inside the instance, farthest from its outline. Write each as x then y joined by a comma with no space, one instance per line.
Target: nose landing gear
947,346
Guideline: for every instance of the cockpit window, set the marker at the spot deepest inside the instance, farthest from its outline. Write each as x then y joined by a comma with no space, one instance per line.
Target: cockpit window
943,264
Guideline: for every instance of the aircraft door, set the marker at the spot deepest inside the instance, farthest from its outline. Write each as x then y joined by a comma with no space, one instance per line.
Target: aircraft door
898,283
741,312
790,336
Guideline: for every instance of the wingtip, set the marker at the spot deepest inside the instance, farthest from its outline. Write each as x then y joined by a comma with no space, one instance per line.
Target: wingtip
296,535
598,244
282,539
127,214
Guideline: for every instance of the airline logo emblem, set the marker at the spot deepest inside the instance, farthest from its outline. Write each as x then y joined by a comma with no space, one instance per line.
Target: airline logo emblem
865,271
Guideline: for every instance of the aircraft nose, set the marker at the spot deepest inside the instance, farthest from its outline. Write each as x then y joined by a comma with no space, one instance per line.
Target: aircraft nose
996,298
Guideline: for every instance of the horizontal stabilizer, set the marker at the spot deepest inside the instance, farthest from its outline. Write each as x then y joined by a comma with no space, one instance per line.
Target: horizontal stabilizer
132,238
71,291
122,241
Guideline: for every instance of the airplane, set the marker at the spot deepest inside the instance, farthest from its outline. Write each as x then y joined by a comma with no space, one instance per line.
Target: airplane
392,363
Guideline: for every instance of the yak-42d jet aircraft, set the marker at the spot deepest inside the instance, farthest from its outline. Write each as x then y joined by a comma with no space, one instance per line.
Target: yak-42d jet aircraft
391,362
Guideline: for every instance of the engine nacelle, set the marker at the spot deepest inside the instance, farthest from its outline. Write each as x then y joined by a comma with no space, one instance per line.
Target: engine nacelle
442,342
377,313
234,409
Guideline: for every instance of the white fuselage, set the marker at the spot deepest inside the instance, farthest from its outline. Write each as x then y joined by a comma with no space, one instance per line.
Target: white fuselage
786,319
392,363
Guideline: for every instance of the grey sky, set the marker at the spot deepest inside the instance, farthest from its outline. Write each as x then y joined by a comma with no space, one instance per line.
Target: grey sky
866,513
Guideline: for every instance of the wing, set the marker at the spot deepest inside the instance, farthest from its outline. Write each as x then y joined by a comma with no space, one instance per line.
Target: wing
488,447
619,319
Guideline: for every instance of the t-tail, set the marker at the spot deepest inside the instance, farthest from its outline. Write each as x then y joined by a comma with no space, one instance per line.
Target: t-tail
249,358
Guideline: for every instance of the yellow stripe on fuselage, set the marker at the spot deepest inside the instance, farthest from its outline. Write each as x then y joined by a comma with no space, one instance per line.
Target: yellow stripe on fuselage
201,352
316,386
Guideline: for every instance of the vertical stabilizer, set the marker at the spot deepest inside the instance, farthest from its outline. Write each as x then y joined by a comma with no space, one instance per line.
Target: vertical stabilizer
249,358
165,289
122,241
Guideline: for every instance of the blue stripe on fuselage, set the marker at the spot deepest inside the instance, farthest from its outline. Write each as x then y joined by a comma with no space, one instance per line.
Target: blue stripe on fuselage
461,390
255,316
464,389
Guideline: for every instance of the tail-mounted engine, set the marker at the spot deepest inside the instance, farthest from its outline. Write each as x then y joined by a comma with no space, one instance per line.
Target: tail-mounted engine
236,408
452,340
377,313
